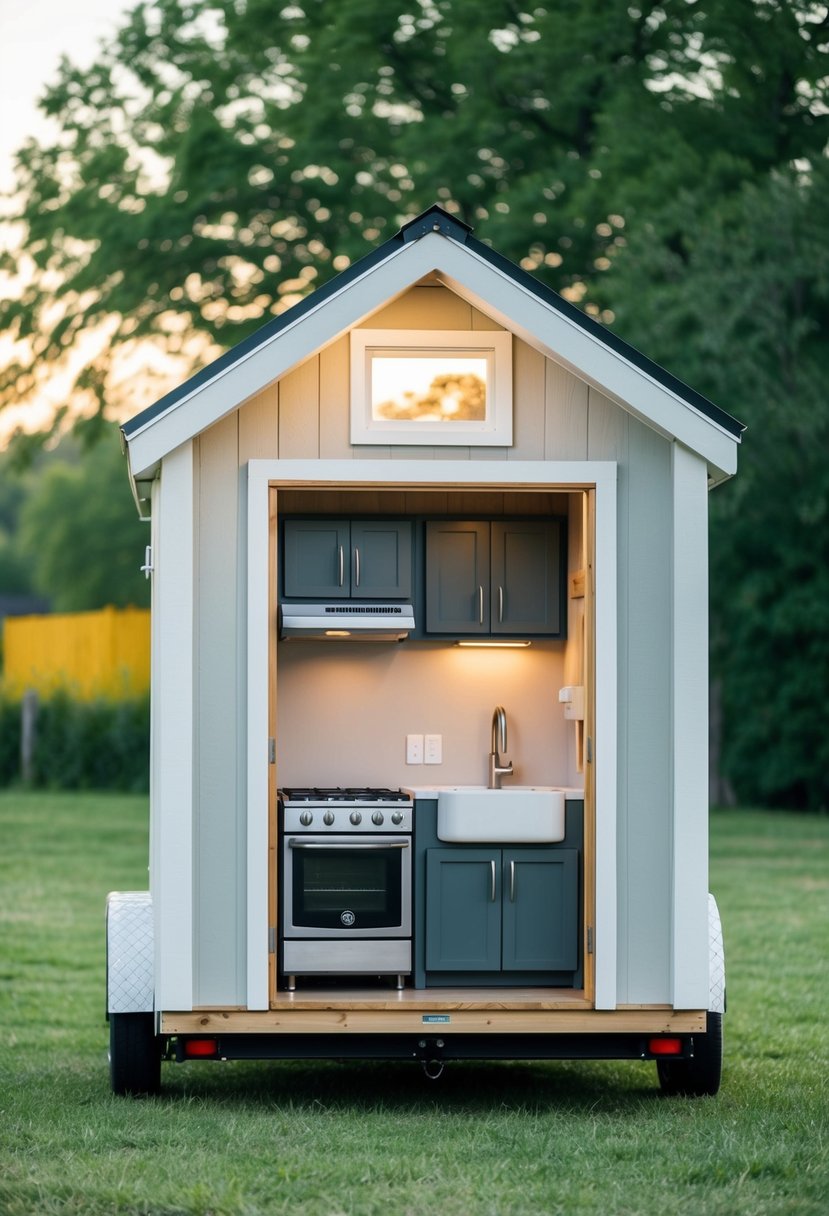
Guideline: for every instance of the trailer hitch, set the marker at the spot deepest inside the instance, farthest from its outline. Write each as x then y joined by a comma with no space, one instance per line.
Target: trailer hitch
430,1059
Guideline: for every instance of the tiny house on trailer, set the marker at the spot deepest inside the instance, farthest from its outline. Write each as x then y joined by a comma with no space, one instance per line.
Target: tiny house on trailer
482,831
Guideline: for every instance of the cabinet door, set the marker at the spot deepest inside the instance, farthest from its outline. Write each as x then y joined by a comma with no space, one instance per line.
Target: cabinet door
381,559
540,910
457,577
463,910
526,577
316,557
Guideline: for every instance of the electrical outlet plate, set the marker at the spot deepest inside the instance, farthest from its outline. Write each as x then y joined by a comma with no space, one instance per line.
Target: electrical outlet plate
414,749
433,749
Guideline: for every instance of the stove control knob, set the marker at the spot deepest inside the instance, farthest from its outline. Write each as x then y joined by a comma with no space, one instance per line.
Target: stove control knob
356,818
306,818
397,818
328,818
377,817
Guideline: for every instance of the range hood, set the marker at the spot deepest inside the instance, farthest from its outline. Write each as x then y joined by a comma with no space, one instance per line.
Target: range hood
348,620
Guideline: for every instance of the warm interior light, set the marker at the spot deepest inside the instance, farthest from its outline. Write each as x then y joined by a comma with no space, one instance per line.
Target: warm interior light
338,633
495,645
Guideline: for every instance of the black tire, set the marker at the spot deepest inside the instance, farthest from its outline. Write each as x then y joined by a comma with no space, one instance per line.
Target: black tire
700,1076
134,1054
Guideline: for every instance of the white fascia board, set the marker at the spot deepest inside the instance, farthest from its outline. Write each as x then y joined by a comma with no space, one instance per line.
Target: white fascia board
315,329
566,342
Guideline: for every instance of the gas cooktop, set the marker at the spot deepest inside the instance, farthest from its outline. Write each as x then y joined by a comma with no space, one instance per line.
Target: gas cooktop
350,794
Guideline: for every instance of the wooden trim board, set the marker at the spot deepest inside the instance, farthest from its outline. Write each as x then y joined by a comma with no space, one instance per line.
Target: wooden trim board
400,1015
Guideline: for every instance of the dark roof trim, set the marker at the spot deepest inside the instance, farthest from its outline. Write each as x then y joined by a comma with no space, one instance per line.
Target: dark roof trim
435,219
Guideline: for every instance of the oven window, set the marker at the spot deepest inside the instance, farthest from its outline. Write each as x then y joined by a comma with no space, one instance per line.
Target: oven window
347,888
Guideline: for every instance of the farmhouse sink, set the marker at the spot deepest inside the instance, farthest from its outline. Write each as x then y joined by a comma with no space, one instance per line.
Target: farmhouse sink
522,814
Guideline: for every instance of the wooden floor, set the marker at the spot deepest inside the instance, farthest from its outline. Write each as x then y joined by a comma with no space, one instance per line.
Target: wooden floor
431,999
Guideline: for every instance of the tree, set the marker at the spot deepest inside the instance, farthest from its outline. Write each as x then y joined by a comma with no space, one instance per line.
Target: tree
79,532
661,164
223,157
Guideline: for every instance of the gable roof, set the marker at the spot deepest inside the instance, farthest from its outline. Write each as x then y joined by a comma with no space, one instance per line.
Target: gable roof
435,242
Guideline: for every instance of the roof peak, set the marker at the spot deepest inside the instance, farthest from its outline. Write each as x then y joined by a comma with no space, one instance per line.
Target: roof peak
435,219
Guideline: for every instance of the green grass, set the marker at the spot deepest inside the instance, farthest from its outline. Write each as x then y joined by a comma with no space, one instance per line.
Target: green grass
327,1138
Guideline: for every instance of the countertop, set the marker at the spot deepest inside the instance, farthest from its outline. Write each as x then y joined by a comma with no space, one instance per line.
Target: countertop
572,793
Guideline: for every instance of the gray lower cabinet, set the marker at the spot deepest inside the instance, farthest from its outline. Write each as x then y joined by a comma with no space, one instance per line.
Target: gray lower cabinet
491,578
501,909
342,559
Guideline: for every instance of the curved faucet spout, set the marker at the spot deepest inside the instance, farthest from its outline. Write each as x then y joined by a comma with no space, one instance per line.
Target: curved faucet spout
498,744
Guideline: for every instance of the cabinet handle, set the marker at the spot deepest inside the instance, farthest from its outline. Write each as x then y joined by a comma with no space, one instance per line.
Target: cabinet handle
480,605
342,566
500,604
512,882
492,882
356,566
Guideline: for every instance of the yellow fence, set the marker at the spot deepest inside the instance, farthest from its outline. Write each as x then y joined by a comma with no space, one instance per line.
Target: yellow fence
91,654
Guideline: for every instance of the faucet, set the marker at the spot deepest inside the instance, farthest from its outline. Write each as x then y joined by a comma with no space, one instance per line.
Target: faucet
497,770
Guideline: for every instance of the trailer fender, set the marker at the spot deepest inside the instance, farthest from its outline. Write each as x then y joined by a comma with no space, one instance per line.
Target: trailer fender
130,952
716,959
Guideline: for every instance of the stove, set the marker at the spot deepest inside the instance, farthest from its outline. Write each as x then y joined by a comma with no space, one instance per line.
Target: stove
346,883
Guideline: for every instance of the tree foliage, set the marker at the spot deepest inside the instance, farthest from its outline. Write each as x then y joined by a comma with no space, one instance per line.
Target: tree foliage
73,535
661,164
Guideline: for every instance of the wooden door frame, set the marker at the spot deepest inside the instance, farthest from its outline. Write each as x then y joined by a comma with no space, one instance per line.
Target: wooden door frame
599,479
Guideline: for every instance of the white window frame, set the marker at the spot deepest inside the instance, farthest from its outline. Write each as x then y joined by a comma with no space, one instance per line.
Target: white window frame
495,430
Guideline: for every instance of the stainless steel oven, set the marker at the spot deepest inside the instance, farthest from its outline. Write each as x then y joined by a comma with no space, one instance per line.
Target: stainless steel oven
346,880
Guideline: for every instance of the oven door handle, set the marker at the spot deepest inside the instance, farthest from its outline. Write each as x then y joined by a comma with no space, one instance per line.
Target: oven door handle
293,843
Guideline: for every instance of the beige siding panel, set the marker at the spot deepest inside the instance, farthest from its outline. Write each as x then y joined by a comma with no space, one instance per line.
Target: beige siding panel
299,412
480,320
565,433
646,703
259,426
528,403
335,415
219,846
424,308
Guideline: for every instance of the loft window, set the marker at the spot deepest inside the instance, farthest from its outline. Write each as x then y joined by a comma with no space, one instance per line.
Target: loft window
433,387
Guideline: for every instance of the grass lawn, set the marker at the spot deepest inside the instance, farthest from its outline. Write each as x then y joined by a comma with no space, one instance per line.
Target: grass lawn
247,1139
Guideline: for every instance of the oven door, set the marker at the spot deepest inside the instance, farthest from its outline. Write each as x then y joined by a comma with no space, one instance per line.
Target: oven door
347,886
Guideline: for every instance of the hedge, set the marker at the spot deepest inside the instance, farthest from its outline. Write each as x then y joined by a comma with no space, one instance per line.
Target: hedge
101,744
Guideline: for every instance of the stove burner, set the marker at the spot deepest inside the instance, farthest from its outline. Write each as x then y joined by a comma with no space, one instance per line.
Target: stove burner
343,794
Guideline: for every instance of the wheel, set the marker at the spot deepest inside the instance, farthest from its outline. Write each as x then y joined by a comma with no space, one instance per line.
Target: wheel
699,1076
134,1054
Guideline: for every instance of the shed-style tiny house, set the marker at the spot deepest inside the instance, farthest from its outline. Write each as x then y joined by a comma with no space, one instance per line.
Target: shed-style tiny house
482,831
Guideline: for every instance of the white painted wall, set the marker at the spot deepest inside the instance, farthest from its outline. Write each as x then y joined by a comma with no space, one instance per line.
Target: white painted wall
345,710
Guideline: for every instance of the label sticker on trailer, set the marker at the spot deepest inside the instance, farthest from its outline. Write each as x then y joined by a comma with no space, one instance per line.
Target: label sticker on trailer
437,1017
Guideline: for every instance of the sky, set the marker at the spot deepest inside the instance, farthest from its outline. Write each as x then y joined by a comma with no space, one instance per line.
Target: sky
34,34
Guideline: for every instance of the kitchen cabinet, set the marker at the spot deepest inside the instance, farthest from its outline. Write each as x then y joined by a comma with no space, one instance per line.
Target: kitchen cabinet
502,577
347,559
492,910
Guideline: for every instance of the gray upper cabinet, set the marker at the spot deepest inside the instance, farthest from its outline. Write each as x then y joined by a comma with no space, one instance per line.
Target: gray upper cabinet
457,577
503,577
342,559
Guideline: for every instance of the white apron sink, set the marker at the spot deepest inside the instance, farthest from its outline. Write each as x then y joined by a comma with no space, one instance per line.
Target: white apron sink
522,814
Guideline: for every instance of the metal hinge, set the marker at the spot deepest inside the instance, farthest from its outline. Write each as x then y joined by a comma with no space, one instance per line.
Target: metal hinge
590,939
589,745
147,568
271,940
271,751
